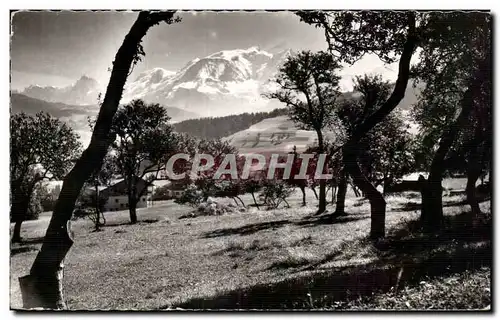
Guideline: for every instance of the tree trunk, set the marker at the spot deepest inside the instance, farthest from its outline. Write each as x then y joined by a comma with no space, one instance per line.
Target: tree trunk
132,208
334,194
432,202
314,191
16,237
340,206
322,182
103,219
133,197
303,189
242,203
286,202
255,201
355,190
43,287
490,173
43,290
377,202
322,196
472,176
387,183
17,214
399,90
97,209
19,210
474,169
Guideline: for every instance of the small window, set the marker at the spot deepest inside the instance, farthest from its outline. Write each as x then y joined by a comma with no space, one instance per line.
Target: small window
143,199
116,200
121,205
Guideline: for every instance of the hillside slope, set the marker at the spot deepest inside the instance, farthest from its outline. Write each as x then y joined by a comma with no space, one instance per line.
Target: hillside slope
75,115
219,127
277,134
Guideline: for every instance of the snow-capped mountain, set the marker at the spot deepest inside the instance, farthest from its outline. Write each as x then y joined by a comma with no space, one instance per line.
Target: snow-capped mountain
223,83
226,82
84,91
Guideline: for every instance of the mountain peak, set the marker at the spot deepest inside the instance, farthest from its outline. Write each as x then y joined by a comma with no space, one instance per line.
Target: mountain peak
254,48
86,81
86,78
212,85
83,92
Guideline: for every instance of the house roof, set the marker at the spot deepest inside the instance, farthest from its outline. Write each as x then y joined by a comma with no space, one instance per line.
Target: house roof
120,186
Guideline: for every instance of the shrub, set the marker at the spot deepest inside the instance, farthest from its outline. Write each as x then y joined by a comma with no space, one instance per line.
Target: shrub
162,193
85,207
211,208
275,193
191,196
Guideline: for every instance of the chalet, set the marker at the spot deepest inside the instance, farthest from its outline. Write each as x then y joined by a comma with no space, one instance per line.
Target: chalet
176,188
118,198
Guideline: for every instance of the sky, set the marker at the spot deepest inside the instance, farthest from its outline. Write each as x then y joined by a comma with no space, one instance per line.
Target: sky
57,48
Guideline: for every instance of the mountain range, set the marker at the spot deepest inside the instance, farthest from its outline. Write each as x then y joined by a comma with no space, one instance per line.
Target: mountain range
84,91
223,83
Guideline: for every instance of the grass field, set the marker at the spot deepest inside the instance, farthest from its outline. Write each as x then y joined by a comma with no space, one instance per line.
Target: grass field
284,258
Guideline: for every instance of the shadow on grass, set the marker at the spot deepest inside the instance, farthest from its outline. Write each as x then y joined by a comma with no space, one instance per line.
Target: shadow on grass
404,258
309,221
288,263
414,206
17,250
312,221
37,240
145,221
26,245
247,229
456,193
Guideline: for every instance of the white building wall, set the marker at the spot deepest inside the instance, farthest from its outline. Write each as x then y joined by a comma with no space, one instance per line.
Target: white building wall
117,203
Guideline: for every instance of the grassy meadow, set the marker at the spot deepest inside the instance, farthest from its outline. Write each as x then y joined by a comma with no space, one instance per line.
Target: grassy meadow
277,259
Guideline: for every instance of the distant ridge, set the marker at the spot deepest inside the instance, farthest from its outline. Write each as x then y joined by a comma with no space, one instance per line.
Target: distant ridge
220,127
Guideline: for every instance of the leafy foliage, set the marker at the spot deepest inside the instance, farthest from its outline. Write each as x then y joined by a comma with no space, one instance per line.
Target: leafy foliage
352,34
309,86
191,196
162,193
386,152
458,44
41,147
44,141
207,181
144,142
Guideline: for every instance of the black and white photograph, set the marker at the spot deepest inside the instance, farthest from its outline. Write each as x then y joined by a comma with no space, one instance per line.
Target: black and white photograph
250,160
